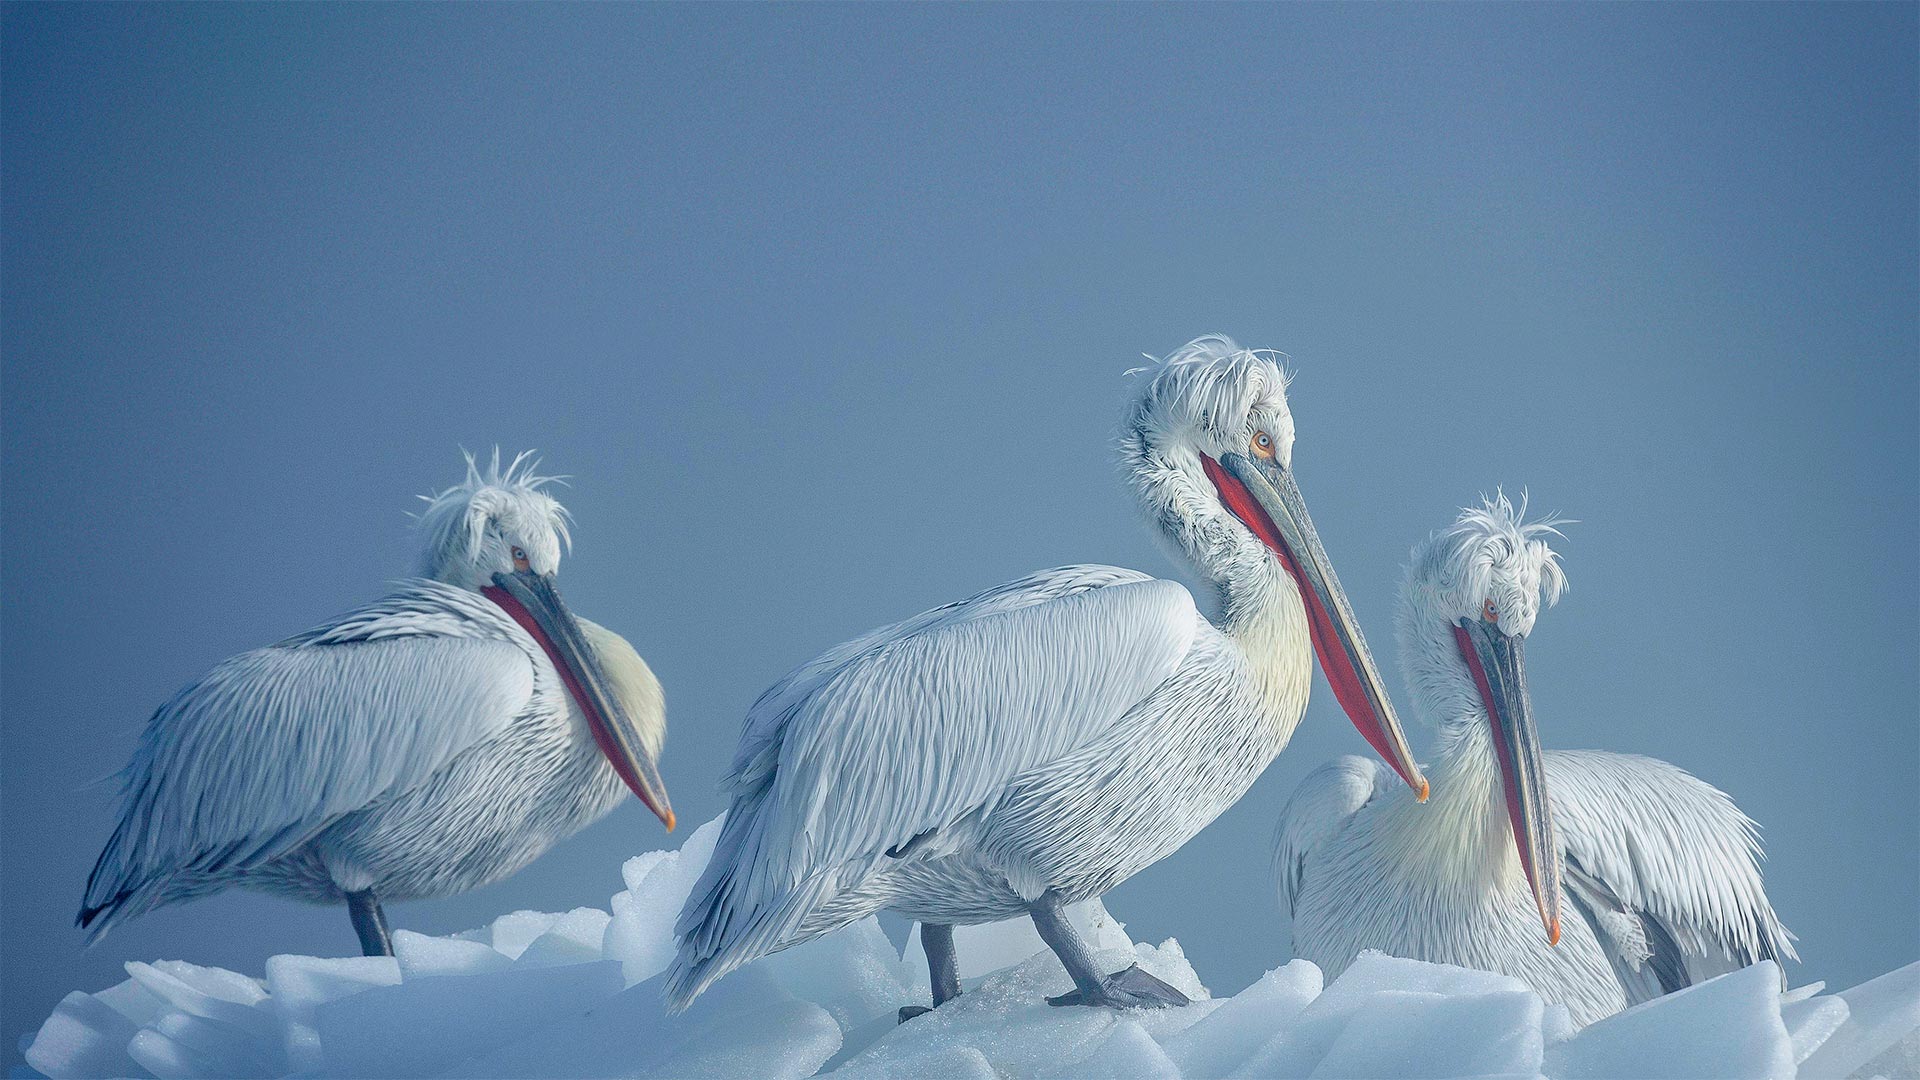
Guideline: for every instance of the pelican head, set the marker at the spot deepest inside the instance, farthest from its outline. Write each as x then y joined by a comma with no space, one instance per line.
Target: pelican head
1209,447
1472,593
500,534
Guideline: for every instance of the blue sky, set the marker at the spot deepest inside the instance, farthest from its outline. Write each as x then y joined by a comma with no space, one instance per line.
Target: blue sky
826,310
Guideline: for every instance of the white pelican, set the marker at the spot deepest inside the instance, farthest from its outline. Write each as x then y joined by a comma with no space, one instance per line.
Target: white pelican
1661,868
1041,742
430,742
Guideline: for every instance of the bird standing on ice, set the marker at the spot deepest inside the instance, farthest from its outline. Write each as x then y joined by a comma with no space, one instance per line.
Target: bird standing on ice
1043,741
1660,868
429,743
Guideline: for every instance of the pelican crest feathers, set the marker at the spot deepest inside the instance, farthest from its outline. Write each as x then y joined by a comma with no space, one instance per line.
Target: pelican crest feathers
456,522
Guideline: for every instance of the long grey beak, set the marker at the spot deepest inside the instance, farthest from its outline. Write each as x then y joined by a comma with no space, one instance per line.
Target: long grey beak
535,604
1499,670
1263,495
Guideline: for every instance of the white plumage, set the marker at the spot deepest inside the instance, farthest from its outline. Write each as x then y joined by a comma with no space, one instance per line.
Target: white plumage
1043,741
422,745
1660,869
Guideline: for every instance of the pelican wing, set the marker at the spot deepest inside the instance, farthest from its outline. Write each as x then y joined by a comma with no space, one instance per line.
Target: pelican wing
882,742
1665,866
1320,807
250,761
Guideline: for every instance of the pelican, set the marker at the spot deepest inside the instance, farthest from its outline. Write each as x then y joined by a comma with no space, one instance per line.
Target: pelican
428,743
1041,742
1661,869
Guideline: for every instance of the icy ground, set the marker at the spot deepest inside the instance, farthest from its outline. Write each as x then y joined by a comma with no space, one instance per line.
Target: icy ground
578,995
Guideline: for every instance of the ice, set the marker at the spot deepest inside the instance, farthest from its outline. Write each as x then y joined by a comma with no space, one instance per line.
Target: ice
1811,1022
1230,1033
1880,1014
1729,1026
1435,1035
1127,1053
510,934
1902,1059
421,956
83,1037
573,938
746,1026
1297,1049
578,994
299,985
854,974
640,935
425,1024
1006,1021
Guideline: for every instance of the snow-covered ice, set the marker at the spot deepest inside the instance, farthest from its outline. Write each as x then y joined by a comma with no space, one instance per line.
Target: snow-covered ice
577,994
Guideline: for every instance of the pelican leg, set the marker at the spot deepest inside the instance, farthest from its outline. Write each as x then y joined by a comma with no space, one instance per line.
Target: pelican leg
370,923
942,964
1133,988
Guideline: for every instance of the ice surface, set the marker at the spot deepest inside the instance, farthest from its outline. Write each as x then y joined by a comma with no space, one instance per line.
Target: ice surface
577,994
1880,1014
573,938
83,1037
640,934
746,1026
1230,1033
1667,1037
299,985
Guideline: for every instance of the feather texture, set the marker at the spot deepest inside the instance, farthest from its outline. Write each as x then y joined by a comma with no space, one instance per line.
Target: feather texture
1661,866
911,731
418,746
1053,735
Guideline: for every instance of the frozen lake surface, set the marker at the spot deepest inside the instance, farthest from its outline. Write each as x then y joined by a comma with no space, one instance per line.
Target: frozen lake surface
577,994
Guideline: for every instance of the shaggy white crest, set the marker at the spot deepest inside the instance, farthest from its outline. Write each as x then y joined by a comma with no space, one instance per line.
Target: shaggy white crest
1490,553
1210,396
472,528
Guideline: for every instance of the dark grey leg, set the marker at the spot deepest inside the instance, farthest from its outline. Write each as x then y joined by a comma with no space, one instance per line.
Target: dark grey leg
370,923
942,963
1133,988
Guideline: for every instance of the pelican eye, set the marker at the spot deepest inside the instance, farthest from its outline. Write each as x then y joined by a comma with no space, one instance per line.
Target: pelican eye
1262,444
519,559
1489,612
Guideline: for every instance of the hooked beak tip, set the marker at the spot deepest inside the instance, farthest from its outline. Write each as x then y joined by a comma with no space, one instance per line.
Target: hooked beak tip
1425,790
668,820
1553,931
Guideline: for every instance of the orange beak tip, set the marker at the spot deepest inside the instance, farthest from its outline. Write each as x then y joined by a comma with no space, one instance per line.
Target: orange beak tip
1553,932
669,821
1425,790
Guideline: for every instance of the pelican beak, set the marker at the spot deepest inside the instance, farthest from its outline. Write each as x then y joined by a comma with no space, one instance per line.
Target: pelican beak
535,604
1498,670
1263,495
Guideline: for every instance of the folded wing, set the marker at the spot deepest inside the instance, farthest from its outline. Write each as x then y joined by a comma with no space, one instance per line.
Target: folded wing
250,761
911,729
1666,866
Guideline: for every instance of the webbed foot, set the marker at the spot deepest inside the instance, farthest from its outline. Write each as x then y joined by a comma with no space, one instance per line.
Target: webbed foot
1133,988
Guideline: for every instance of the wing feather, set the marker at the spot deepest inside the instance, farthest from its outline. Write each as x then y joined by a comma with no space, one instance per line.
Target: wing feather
265,750
914,728
1648,841
1320,807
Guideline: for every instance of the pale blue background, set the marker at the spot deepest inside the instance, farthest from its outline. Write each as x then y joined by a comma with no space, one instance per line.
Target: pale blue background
827,310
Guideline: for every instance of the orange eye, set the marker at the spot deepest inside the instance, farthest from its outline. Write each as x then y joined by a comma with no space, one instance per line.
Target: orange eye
1262,444
1489,612
519,559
